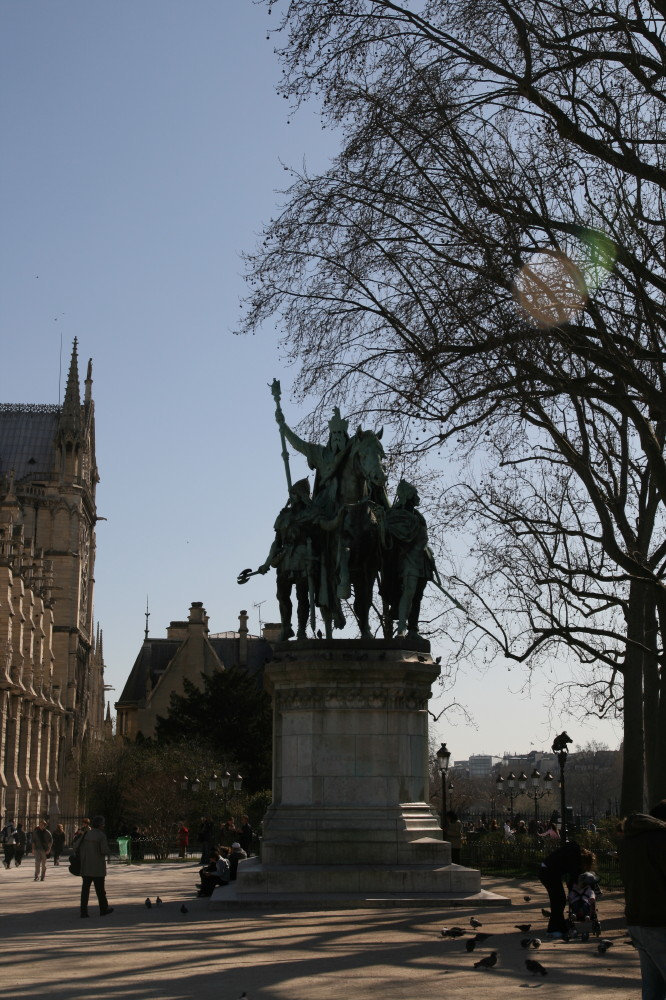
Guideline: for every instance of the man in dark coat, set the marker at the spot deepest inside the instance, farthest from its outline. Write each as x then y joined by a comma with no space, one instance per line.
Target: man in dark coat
643,865
93,849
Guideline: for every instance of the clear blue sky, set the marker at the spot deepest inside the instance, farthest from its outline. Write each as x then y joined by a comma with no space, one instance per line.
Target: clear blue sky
143,145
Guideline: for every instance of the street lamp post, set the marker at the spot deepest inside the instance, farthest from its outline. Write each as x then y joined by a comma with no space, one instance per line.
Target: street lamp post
507,786
537,792
561,750
443,758
225,780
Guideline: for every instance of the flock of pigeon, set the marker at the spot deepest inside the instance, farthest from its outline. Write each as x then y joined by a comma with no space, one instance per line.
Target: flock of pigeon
529,942
160,902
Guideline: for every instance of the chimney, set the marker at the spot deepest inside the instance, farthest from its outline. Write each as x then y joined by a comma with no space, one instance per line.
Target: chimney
196,621
272,631
242,639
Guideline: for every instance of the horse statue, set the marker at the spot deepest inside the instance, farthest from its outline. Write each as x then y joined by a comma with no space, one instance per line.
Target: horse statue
351,549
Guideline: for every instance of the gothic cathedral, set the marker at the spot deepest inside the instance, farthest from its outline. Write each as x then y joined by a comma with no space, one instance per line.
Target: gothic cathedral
51,663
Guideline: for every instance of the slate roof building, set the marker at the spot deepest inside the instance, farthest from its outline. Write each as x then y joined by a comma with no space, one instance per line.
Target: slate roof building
51,662
188,651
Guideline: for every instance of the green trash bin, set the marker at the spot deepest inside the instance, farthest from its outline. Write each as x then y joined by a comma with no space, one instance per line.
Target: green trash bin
123,850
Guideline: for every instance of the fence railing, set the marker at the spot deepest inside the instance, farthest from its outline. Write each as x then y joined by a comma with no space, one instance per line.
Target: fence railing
522,857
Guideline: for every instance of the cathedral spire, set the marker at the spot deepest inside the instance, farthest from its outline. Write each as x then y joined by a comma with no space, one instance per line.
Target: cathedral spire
88,383
70,415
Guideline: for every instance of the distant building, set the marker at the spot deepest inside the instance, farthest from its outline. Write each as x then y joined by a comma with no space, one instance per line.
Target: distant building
51,662
481,765
187,652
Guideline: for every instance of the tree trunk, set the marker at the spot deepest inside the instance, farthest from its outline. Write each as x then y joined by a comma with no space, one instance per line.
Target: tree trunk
651,699
658,787
633,771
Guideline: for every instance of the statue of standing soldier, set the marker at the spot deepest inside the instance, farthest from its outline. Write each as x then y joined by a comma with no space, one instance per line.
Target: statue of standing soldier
408,563
293,558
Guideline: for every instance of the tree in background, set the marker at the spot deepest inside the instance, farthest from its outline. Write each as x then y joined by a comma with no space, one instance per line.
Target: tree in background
141,785
233,715
483,267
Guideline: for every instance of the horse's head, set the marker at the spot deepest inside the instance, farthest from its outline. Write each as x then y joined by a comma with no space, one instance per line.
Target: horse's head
368,452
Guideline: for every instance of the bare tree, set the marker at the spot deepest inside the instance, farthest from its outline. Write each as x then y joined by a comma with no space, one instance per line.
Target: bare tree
485,257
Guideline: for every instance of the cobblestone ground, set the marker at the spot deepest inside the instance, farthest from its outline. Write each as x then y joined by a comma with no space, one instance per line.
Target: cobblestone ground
137,953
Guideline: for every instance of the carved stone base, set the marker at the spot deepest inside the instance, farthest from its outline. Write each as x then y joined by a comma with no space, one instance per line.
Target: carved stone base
350,776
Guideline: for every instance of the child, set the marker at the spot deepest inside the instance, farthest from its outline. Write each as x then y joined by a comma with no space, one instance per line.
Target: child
583,896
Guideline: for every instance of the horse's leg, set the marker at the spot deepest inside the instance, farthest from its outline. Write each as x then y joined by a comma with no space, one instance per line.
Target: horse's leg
328,622
363,584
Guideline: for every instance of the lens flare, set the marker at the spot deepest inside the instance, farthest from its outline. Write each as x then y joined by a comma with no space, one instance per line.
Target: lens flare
550,288
601,257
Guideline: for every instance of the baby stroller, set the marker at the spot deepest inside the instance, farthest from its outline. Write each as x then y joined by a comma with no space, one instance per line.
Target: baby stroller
582,900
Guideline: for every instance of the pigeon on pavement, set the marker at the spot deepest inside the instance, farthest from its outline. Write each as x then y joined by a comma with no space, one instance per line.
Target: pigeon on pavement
147,903
527,898
470,945
604,945
473,922
525,942
158,901
487,962
545,913
525,928
452,932
536,943
533,966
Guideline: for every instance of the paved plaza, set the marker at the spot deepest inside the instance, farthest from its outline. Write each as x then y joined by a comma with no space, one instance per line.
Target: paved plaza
394,954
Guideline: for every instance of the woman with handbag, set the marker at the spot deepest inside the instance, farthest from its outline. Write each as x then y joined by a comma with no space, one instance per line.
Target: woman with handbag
92,848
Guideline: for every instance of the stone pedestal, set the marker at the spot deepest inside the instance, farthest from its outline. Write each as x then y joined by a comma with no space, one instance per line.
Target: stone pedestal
350,819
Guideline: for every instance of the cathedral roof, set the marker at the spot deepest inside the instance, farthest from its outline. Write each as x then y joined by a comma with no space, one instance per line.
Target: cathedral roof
27,439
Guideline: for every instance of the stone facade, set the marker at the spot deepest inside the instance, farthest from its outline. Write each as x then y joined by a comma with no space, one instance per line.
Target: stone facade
51,663
187,652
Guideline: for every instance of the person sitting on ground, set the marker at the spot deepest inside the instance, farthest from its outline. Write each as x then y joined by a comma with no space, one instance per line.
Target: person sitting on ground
237,854
521,829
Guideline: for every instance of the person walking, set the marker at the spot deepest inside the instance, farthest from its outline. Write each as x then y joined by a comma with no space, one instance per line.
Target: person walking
642,854
58,843
8,838
42,842
19,849
93,849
